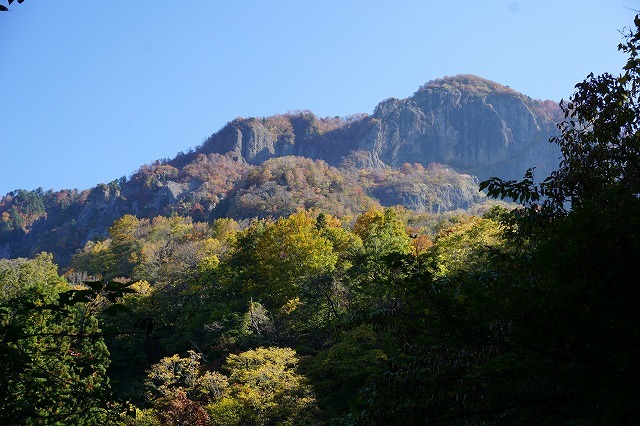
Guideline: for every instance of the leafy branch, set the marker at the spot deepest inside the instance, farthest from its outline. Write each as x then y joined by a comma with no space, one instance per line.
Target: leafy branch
5,8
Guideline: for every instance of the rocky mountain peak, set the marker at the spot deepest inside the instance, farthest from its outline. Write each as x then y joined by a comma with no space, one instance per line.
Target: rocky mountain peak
469,84
475,125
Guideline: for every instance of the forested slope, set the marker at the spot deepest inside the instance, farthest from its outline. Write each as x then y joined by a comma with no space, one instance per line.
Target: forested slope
380,316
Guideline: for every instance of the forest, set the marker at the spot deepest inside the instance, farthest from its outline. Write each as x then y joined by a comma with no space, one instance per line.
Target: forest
525,314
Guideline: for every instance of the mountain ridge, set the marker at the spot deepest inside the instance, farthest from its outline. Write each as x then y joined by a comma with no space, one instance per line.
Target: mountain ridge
421,152
445,121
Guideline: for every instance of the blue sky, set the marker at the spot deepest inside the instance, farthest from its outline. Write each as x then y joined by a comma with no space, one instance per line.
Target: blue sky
92,90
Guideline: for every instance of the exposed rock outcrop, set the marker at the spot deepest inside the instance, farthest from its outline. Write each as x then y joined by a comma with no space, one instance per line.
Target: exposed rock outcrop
474,125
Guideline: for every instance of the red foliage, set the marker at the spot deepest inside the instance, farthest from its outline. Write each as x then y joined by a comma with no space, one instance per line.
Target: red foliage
180,410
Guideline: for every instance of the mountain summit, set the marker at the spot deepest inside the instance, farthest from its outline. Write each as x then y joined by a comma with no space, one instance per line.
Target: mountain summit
472,124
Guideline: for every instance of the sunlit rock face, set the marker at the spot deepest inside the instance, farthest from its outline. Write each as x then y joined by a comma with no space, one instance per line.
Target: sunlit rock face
471,124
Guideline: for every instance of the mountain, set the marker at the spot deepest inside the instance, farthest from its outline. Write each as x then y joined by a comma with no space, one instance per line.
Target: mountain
472,124
425,152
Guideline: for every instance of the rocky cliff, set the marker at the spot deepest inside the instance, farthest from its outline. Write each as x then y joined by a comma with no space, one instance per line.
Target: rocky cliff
471,124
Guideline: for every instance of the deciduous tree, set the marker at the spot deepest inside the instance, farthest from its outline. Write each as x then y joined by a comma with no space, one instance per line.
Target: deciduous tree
264,388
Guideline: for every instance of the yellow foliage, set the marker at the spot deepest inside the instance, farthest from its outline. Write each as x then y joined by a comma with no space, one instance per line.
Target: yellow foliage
382,232
264,389
289,251
461,246
208,264
142,288
291,305
209,247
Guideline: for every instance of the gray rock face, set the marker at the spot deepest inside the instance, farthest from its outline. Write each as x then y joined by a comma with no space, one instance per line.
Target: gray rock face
471,124
103,206
463,195
254,141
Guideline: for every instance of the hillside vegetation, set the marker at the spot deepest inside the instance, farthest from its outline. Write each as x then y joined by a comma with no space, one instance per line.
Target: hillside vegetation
214,186
317,304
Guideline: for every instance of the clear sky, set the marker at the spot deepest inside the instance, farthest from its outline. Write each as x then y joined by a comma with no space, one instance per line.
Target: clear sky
92,90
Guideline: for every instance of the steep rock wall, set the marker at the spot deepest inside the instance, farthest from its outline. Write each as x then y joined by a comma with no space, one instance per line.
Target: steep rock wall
475,131
471,124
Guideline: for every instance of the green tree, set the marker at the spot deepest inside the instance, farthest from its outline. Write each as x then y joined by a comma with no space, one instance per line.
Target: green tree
546,327
38,275
290,251
371,284
345,243
124,246
339,372
382,232
52,357
16,221
117,255
582,232
540,324
264,389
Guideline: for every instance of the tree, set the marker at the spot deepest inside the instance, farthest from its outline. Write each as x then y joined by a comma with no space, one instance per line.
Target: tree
5,9
371,283
264,389
344,242
290,251
124,246
340,371
382,232
178,389
53,359
173,374
463,247
539,324
180,410
569,304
